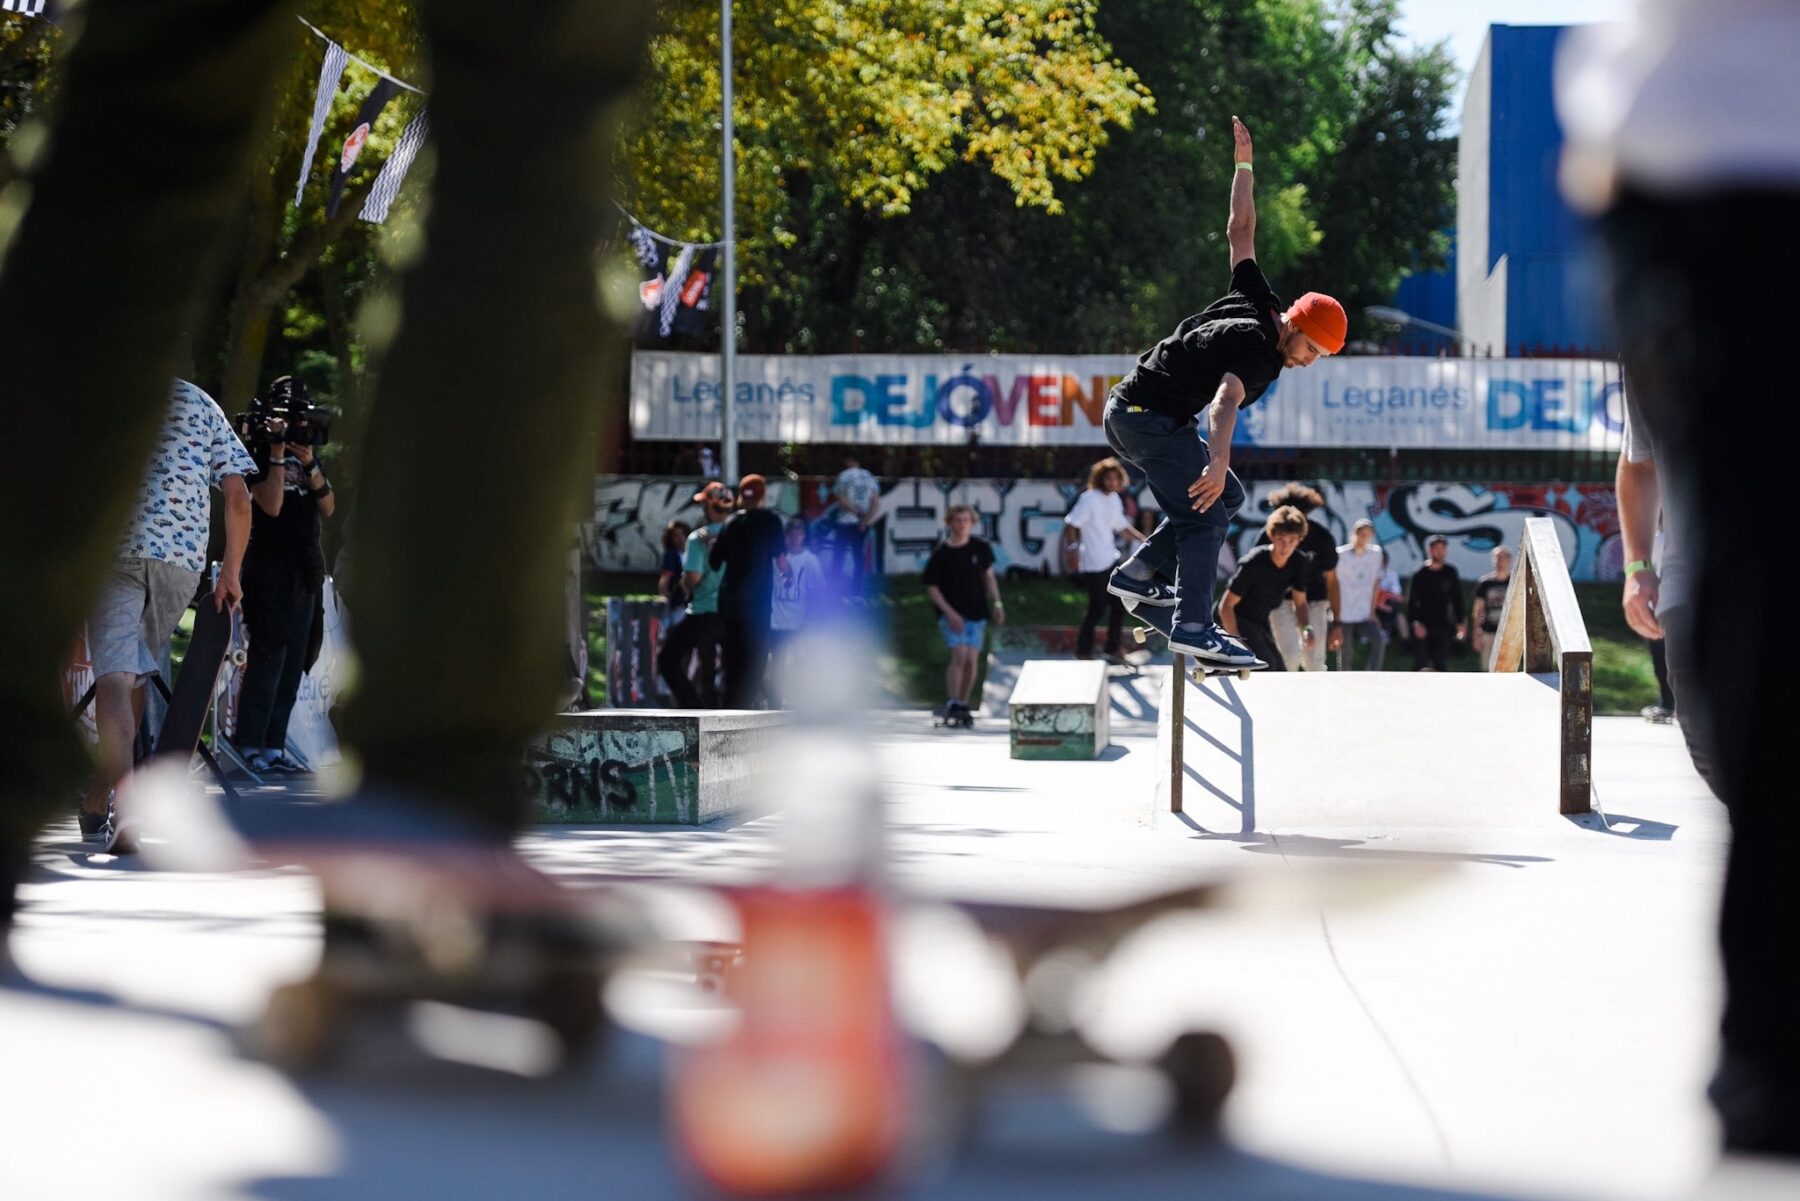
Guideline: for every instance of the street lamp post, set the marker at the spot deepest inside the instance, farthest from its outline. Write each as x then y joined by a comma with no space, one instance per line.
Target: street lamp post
728,447
1392,316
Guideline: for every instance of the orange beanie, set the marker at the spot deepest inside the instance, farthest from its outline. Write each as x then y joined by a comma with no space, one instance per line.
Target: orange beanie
1322,319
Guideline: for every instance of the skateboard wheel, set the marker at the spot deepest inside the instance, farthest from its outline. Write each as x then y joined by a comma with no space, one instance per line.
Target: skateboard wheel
1141,634
1243,673
1202,1069
299,1029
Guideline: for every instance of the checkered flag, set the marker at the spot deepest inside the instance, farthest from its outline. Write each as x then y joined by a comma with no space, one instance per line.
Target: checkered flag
336,59
393,172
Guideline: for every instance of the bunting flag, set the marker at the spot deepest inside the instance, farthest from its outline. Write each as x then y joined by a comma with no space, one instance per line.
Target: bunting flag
336,59
366,116
25,8
676,290
393,172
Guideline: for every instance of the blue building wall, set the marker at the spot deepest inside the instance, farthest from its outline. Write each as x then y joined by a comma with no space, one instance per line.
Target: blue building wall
1552,298
1430,296
1552,295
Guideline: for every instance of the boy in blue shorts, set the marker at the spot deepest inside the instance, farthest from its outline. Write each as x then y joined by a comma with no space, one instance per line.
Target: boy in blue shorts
959,580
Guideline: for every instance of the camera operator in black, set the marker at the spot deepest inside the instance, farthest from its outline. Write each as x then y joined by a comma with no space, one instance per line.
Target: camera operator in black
284,570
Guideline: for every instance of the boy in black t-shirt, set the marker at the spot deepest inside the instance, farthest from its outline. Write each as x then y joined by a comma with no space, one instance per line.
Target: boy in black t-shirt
1216,362
1266,578
959,580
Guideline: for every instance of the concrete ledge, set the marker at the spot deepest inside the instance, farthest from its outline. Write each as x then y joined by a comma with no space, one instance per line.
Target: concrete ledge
1060,710
648,766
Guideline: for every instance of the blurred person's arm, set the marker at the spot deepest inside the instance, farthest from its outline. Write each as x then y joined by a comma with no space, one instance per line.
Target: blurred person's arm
1640,502
230,589
874,511
1240,230
1303,615
309,468
992,584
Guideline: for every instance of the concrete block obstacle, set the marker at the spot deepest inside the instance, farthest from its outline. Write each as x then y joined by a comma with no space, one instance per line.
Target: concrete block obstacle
1507,747
1060,709
649,766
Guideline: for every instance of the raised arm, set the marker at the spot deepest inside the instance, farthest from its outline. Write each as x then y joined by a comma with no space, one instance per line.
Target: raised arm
1240,231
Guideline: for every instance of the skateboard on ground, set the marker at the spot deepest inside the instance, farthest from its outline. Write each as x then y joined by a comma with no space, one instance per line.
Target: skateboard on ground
1161,619
957,715
192,697
418,906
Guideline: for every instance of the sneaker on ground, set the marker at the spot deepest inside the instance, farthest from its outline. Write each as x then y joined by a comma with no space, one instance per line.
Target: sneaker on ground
116,836
1144,592
280,763
1215,646
90,823
1657,714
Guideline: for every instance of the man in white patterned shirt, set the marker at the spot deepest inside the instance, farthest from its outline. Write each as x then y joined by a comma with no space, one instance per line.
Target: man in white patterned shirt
154,574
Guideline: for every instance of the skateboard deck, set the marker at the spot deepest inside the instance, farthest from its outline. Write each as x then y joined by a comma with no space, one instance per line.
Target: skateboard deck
192,695
1161,620
418,906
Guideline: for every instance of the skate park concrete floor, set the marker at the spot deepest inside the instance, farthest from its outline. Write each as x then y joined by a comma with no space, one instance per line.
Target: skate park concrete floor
1537,1022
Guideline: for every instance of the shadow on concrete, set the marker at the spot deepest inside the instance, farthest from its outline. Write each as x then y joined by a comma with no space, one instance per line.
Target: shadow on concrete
1244,754
1620,825
443,1130
15,981
1314,846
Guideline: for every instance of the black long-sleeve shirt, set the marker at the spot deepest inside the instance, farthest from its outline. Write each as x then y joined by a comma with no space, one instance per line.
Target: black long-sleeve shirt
1435,598
747,549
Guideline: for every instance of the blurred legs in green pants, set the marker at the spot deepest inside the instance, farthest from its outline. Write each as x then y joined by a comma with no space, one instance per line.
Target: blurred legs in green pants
478,444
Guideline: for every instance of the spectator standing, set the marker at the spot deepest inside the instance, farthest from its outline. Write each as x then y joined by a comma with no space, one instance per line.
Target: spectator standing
1360,563
1390,602
668,581
1490,600
858,496
284,578
959,581
1682,140
700,631
747,549
154,572
1273,574
799,586
1434,606
1322,599
1091,531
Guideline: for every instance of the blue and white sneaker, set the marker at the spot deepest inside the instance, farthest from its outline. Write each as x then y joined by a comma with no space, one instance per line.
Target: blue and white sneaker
1144,592
1213,645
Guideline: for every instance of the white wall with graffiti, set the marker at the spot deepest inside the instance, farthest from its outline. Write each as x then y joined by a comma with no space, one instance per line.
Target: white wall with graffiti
1023,519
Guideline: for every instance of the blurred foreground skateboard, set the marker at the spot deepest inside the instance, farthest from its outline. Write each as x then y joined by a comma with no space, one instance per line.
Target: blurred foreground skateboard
422,908
1161,619
418,906
192,695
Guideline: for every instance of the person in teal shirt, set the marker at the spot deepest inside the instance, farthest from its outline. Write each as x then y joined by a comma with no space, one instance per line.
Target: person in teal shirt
701,629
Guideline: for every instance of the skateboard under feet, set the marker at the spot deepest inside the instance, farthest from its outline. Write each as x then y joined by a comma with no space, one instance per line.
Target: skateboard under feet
1160,619
957,716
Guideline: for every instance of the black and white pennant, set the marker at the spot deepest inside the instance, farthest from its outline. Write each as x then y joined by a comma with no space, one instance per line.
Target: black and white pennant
393,172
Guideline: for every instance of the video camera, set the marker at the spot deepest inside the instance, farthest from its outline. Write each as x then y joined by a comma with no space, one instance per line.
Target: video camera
284,414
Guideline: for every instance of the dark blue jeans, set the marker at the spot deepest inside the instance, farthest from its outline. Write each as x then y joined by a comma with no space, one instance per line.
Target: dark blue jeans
1185,545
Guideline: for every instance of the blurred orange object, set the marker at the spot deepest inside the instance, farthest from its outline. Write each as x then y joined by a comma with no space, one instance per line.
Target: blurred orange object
808,1094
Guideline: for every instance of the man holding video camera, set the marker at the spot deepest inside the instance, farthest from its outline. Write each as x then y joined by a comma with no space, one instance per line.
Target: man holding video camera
284,570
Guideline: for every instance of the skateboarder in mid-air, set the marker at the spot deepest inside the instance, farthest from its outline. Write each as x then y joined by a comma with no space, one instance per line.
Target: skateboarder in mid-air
1217,361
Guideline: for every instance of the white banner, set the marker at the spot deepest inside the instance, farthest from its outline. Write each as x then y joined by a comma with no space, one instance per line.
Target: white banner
1032,400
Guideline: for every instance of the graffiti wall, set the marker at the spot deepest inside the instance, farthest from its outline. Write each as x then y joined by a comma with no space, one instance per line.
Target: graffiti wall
630,770
1023,519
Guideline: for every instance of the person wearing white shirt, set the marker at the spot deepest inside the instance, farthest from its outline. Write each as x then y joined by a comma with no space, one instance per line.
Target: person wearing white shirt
1682,140
1359,571
1091,530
